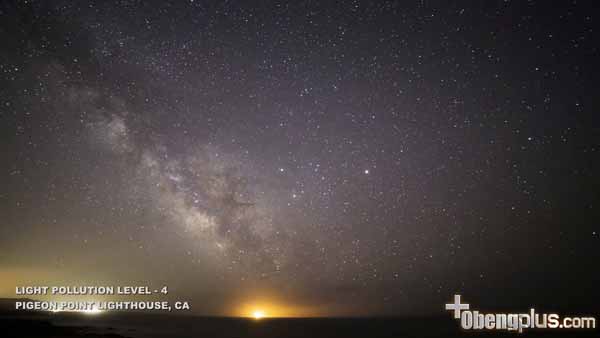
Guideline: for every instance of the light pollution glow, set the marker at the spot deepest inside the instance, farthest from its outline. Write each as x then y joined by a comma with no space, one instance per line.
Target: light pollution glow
271,309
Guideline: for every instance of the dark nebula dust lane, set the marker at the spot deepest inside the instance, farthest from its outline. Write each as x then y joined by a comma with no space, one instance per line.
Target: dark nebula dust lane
356,158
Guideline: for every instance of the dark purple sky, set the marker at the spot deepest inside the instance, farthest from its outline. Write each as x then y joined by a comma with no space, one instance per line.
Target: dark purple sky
360,158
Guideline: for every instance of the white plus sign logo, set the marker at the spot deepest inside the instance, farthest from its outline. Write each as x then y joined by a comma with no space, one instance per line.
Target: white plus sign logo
457,306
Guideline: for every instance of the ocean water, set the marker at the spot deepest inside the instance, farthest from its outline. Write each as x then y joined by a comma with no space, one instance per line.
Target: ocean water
147,326
137,325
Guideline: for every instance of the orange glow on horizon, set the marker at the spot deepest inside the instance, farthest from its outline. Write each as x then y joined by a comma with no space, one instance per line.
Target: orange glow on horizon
270,309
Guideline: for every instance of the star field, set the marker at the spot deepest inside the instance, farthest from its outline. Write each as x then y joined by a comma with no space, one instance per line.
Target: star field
367,157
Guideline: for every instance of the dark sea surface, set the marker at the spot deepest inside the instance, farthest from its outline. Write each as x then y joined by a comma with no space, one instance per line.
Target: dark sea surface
116,325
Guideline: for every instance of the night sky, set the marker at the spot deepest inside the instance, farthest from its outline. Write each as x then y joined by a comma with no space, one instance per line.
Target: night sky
309,157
